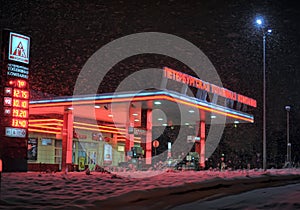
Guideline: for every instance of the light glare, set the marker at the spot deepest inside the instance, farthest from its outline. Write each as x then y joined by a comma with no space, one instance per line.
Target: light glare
259,21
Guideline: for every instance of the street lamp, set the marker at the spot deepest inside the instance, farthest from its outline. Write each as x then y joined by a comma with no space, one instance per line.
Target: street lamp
288,147
260,24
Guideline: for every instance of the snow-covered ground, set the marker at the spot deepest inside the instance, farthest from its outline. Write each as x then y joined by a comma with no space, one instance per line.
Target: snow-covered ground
274,198
76,190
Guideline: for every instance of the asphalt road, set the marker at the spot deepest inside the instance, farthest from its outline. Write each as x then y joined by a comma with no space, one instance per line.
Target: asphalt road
284,197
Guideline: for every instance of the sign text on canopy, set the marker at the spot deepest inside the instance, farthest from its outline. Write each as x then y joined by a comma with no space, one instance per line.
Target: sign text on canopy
206,86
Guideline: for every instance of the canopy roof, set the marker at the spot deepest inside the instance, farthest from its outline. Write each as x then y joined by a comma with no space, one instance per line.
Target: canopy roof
113,108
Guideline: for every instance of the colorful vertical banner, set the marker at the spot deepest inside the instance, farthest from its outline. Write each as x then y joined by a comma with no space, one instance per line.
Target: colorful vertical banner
107,154
32,148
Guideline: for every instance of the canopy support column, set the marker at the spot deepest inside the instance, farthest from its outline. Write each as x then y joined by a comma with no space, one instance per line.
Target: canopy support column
67,139
149,137
200,146
129,142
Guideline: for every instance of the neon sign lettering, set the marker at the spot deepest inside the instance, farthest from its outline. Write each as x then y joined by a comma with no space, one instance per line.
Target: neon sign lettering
202,85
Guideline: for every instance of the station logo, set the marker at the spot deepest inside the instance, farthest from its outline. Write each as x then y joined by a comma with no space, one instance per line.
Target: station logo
19,46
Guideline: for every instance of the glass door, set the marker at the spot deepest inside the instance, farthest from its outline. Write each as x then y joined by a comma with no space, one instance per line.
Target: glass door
81,160
92,157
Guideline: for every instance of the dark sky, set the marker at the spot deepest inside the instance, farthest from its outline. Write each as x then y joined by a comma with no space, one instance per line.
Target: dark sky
66,33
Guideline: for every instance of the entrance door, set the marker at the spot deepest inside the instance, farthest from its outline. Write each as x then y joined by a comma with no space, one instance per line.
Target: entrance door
92,157
81,160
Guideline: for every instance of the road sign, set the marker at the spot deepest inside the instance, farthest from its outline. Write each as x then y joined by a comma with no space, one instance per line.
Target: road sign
155,143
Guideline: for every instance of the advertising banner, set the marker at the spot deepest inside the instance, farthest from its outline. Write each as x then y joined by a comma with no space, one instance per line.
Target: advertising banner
107,154
81,165
32,148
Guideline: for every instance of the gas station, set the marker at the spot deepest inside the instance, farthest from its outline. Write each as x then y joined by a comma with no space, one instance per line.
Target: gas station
83,131
107,129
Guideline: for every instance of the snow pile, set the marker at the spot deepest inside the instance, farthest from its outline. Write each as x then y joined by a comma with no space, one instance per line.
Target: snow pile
33,190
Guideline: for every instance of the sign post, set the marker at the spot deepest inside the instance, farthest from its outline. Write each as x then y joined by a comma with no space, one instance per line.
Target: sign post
0,177
14,94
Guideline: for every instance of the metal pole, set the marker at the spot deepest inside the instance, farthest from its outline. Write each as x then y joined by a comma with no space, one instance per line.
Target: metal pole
264,105
288,144
288,154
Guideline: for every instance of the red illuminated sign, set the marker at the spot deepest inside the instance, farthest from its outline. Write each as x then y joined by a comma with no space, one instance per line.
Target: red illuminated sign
16,103
19,83
20,113
18,93
20,103
200,84
19,123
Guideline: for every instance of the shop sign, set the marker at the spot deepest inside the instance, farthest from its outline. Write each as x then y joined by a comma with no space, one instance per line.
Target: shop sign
19,46
206,86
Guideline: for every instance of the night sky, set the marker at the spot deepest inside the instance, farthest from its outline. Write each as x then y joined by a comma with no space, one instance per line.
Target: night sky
66,33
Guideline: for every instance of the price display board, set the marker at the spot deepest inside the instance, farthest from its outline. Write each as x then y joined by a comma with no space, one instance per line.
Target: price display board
14,94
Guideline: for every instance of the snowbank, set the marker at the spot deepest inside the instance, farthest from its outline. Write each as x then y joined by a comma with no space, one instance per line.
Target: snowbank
77,190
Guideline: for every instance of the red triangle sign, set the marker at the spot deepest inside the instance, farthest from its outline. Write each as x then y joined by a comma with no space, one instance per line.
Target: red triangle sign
19,51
